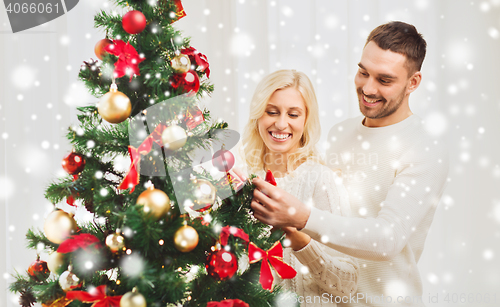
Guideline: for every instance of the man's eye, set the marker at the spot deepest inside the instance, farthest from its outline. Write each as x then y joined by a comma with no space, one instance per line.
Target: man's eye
384,81
363,73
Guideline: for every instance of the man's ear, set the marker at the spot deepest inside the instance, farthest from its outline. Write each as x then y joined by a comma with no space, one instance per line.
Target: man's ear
415,80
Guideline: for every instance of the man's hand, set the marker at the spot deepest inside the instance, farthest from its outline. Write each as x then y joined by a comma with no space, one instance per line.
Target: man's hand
273,206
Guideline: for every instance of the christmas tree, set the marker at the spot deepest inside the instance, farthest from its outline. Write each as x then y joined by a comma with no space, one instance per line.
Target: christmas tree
165,232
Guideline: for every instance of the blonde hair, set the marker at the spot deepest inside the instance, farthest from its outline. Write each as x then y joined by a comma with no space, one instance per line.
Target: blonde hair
254,149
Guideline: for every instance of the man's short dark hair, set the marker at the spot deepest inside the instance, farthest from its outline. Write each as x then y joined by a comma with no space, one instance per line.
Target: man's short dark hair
401,38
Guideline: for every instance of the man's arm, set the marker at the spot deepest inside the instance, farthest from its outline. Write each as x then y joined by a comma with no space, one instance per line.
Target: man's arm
417,188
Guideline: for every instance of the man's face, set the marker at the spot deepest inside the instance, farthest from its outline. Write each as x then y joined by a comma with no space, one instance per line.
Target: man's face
382,83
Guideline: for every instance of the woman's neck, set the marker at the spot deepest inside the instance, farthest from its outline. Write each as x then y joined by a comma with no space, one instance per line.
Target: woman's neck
277,163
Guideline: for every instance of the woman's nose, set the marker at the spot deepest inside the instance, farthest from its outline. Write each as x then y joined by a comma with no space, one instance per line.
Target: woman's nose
281,122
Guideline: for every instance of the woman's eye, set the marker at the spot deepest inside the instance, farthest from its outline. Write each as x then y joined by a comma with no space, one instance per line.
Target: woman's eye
294,115
271,113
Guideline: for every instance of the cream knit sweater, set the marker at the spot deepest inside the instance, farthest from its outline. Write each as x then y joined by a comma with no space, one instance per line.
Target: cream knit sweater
395,176
322,273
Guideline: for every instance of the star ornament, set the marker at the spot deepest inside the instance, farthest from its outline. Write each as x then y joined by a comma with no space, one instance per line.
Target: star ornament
128,58
97,296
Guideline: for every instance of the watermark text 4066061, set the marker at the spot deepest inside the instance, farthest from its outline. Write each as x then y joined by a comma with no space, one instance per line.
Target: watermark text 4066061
26,14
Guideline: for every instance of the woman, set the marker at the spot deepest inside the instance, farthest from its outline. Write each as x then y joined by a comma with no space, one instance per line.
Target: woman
281,136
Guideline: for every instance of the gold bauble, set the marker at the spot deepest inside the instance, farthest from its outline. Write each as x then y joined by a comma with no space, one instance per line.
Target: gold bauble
69,281
186,239
58,226
155,202
204,194
55,262
114,106
181,63
115,242
133,299
173,137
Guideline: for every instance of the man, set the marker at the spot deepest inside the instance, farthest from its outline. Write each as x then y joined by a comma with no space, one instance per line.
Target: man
395,175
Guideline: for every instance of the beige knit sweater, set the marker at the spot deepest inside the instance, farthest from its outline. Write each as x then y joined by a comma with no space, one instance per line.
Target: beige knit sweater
322,273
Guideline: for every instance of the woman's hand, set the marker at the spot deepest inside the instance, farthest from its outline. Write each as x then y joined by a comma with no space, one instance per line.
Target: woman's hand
298,239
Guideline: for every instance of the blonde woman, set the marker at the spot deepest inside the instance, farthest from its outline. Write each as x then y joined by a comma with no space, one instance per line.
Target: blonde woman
281,136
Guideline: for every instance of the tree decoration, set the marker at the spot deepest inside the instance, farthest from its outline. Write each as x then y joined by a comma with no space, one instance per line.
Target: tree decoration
60,302
132,177
27,299
84,241
270,177
234,231
186,239
188,82
133,299
221,264
204,194
58,226
181,63
223,160
97,296
273,257
100,47
134,22
114,106
55,262
69,281
155,202
194,117
199,59
128,58
228,303
73,163
173,137
180,10
115,242
38,270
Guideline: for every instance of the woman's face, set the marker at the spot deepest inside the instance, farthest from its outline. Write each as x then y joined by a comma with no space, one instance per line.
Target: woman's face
282,125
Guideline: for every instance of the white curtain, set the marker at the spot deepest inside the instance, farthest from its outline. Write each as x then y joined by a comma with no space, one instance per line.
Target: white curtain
245,40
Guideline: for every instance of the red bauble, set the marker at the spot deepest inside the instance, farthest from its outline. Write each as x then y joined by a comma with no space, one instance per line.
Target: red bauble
99,47
134,22
221,264
38,270
188,81
223,160
73,163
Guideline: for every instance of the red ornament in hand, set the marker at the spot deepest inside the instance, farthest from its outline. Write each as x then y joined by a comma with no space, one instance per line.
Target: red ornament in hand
38,270
134,22
223,160
221,264
99,50
188,81
73,163
270,177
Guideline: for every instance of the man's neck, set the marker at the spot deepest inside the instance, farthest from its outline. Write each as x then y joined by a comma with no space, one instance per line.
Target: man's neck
386,121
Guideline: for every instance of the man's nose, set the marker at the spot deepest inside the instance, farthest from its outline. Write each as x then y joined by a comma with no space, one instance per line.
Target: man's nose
370,87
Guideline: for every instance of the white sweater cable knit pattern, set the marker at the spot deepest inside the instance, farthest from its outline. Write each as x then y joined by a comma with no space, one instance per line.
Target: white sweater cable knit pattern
322,273
395,176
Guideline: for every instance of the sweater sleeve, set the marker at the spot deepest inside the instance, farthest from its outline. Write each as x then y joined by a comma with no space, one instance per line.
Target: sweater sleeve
419,181
332,271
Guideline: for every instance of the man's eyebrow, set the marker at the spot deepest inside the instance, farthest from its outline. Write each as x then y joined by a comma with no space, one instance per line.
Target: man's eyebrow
385,76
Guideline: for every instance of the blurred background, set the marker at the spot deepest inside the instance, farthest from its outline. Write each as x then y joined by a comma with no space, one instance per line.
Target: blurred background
245,40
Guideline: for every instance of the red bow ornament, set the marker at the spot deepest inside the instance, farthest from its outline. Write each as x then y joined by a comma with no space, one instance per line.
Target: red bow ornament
272,257
97,296
128,58
199,58
194,117
231,230
75,242
132,177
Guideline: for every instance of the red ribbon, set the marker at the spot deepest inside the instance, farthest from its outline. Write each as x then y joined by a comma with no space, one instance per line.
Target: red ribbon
97,296
274,256
193,120
132,177
75,242
228,303
231,230
180,10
